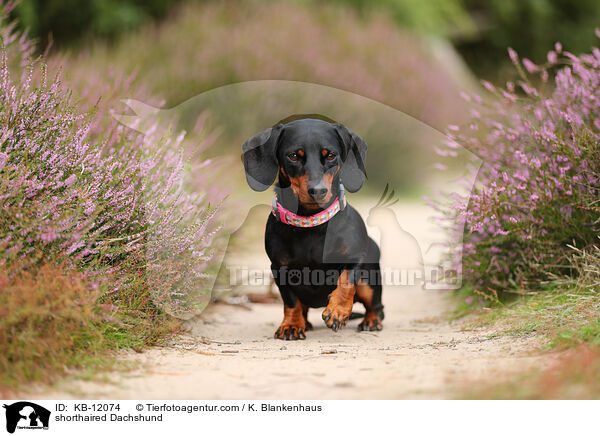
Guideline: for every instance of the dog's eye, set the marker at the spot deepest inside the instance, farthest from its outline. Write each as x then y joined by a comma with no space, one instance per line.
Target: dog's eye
293,157
330,156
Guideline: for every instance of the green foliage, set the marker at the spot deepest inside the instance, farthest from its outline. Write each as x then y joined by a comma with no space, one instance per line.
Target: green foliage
205,46
66,21
483,29
80,214
589,333
529,27
480,29
446,18
51,320
563,314
48,320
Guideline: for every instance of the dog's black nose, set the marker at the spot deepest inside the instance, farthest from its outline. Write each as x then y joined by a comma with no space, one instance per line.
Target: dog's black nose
318,192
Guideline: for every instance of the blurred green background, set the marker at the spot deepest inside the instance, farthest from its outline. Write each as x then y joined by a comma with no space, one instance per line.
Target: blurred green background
479,29
69,22
416,56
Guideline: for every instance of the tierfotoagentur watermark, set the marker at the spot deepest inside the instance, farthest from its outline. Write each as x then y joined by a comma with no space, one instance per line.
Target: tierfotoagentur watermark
432,277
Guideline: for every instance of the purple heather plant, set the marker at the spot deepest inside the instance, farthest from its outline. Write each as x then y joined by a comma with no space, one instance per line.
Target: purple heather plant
100,202
537,192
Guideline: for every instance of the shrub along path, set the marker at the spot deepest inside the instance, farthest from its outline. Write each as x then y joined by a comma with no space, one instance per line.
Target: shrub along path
229,352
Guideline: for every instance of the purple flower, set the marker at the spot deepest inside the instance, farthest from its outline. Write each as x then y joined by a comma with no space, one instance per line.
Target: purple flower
530,66
539,176
3,159
119,215
70,180
514,57
558,47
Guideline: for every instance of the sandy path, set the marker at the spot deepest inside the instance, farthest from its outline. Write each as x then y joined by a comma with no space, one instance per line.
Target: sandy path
229,353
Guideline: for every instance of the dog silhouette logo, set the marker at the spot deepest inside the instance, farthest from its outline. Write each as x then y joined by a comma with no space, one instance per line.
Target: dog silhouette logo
26,415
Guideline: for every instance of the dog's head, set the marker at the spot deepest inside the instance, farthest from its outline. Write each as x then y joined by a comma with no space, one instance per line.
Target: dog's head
310,156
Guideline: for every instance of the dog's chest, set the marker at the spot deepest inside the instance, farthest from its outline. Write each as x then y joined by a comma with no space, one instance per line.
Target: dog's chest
329,243
304,250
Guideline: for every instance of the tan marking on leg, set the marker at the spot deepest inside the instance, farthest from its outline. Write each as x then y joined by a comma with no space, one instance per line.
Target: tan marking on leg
339,308
293,325
371,321
364,294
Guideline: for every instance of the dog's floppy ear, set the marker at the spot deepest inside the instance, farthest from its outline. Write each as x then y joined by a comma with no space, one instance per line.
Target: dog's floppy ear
260,158
352,173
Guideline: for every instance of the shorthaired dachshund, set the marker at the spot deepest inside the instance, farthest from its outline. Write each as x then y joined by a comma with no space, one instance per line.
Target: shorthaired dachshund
321,255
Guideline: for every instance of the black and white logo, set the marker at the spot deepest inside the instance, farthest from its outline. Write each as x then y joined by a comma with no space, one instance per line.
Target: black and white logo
26,415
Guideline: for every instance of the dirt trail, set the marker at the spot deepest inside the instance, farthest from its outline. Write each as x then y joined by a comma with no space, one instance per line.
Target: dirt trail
229,352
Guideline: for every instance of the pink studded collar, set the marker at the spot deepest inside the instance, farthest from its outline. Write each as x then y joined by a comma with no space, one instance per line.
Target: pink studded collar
287,217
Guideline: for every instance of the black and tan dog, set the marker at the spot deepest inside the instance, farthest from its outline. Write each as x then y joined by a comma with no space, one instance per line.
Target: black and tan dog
321,255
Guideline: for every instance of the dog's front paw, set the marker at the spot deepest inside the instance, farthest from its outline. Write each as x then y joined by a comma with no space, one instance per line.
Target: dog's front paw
290,331
371,322
336,316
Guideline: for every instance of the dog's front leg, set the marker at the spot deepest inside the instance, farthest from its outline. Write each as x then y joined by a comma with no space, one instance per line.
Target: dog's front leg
294,324
338,310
